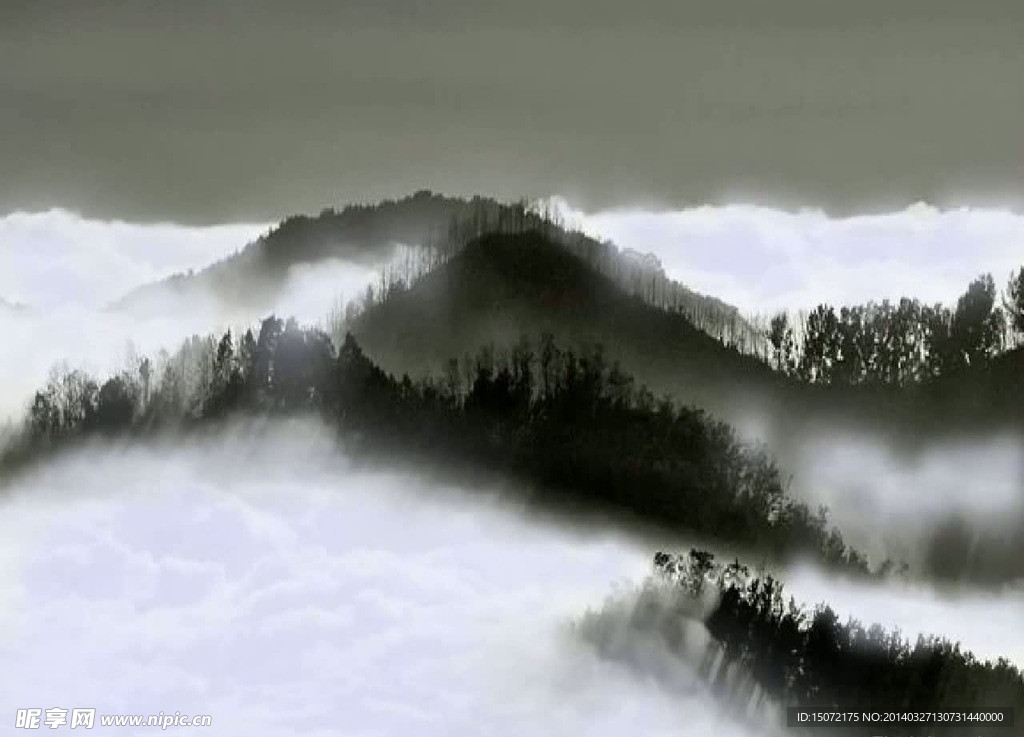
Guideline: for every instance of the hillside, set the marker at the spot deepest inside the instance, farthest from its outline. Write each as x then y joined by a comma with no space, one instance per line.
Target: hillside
361,234
501,287
994,390
440,226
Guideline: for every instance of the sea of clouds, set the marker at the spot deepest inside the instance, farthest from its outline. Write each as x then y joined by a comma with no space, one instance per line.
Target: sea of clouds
258,576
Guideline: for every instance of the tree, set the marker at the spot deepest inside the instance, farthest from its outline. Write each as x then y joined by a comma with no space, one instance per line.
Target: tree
146,375
115,404
978,324
780,335
821,345
939,351
1014,301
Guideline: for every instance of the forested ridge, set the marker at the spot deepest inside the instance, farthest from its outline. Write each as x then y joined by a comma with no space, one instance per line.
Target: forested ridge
502,285
766,648
410,237
903,359
571,424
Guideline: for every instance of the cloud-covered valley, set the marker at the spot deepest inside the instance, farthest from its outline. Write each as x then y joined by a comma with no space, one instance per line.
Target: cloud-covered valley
259,576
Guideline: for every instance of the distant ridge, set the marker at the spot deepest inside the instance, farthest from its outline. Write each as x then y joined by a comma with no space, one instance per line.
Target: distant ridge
370,235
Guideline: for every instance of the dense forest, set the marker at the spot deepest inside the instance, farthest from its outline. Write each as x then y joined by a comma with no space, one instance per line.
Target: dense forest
505,343
501,287
767,648
573,425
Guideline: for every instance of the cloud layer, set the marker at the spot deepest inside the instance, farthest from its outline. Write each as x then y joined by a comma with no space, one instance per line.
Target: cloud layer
206,112
763,259
60,258
259,577
66,269
262,580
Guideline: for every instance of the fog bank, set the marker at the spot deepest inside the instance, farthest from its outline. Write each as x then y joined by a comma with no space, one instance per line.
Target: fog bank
266,582
258,576
763,258
107,341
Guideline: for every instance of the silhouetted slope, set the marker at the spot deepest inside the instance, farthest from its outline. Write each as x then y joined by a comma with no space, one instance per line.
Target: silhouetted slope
369,234
362,234
994,390
758,647
503,286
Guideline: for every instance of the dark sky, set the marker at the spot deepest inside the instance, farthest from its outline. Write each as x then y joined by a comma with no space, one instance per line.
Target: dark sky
247,110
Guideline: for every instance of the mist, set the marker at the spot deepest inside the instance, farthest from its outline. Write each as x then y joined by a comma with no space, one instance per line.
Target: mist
890,497
259,575
763,259
886,499
61,273
58,258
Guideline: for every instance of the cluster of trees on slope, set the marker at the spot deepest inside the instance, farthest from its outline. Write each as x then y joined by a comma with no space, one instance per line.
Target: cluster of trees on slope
902,343
500,286
569,423
802,657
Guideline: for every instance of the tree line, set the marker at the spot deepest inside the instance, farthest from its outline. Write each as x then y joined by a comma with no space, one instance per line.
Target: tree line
565,421
899,343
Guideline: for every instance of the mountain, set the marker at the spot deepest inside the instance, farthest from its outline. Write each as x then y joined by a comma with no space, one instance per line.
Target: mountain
501,287
439,227
363,234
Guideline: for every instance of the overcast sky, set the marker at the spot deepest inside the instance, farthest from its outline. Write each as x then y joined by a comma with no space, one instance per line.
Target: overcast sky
246,111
